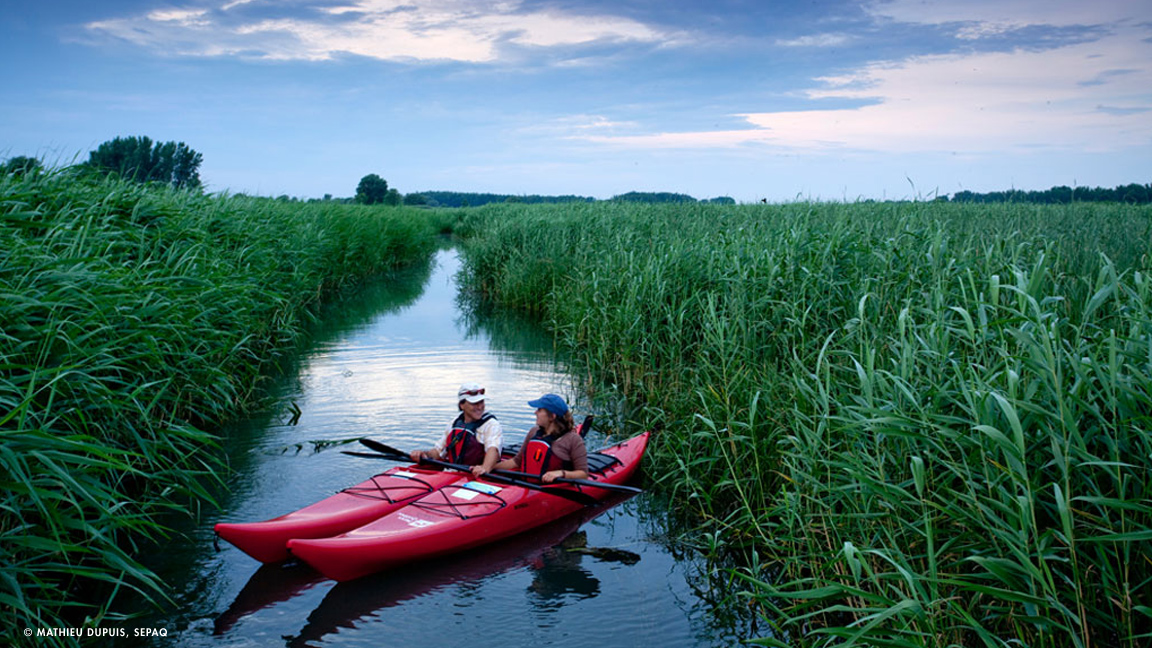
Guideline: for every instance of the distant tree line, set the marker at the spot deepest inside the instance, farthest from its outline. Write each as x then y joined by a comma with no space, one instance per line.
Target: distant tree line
471,199
174,163
668,197
1136,194
653,197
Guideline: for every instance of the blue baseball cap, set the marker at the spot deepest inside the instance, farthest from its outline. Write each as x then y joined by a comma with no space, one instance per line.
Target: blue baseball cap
552,403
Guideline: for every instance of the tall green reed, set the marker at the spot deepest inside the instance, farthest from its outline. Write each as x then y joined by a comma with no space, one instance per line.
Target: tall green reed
929,421
133,320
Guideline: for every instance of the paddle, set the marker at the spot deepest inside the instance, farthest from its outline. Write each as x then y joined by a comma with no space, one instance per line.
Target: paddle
585,426
402,456
575,496
368,455
571,480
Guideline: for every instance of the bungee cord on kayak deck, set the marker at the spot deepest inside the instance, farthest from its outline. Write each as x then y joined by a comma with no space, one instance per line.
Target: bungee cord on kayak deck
380,491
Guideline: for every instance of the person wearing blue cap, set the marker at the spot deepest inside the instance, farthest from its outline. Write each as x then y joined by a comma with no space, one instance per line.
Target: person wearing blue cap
553,448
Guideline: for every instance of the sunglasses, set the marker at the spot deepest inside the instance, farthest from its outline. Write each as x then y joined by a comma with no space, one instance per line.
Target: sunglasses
473,392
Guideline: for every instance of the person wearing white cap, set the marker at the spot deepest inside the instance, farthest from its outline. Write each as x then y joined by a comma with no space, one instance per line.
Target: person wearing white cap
473,439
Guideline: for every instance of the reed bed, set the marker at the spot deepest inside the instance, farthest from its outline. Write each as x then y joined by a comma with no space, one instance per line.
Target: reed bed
915,424
133,320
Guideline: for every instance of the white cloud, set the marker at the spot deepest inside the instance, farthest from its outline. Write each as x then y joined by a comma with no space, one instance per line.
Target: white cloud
990,17
818,40
574,127
591,122
178,16
456,30
1089,96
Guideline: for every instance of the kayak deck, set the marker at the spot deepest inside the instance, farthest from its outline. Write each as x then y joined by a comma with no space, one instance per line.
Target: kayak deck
352,507
458,517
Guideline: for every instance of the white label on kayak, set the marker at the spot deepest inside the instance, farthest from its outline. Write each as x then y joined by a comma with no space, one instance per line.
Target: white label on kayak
465,494
403,473
414,521
482,487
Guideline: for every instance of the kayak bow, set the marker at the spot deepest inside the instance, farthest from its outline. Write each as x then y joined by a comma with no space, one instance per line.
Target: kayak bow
350,508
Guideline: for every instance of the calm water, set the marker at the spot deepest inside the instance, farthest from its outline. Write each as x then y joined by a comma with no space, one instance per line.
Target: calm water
387,365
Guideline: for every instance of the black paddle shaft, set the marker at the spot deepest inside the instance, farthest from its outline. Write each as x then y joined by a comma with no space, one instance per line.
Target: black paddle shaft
575,496
400,455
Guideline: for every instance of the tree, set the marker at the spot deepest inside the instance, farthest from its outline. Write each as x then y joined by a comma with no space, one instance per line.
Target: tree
372,190
460,199
21,165
142,160
654,197
721,200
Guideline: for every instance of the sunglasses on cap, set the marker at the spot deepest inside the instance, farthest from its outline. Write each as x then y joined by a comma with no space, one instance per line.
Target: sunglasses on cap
473,392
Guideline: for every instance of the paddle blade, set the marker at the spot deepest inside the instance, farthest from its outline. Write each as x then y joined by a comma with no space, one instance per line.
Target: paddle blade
586,425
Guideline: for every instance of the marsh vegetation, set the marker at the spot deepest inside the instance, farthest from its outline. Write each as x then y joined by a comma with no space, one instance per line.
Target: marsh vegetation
135,319
917,424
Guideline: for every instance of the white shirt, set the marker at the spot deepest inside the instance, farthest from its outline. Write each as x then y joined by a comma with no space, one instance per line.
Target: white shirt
490,434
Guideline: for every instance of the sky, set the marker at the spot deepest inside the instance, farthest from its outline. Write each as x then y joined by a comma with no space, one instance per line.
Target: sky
756,100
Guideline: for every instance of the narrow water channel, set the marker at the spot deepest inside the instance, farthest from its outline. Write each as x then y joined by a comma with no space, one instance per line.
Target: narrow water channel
387,364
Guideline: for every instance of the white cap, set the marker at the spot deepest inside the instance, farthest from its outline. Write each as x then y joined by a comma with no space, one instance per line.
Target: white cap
471,392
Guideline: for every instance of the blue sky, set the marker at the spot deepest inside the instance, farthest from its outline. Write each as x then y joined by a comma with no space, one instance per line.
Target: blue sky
817,99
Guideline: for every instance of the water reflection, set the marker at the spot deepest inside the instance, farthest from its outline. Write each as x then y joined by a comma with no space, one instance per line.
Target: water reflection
558,574
245,441
269,585
350,604
387,364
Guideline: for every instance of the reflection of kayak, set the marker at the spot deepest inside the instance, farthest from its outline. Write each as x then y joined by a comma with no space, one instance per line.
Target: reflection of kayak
348,604
269,585
460,516
350,508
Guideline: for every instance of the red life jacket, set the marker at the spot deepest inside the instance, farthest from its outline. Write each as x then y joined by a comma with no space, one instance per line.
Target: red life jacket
462,446
539,458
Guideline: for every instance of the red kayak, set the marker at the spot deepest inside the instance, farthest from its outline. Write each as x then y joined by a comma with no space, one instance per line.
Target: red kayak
461,516
350,508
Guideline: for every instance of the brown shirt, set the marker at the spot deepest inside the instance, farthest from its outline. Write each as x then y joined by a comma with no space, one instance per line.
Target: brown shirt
568,448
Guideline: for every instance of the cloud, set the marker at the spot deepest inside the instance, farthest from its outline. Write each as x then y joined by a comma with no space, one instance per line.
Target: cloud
179,17
818,40
1085,96
584,123
427,30
992,17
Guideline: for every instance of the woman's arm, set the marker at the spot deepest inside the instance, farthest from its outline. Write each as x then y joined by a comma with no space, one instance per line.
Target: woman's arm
553,475
573,444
